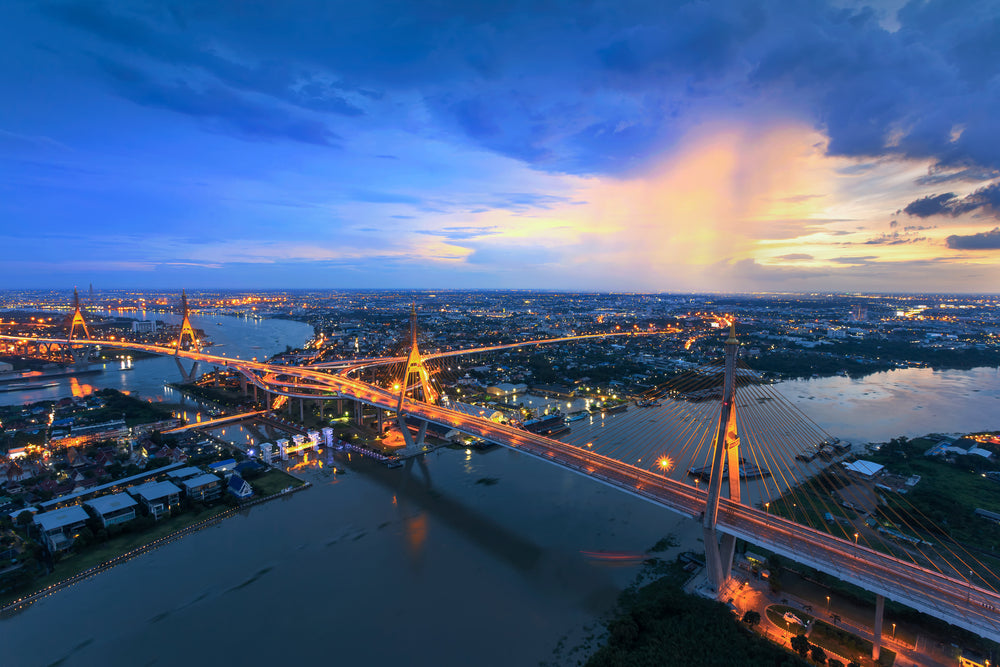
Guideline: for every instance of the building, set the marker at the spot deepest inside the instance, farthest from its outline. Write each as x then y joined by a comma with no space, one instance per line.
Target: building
865,469
114,508
186,472
160,498
204,488
239,487
59,528
223,466
144,326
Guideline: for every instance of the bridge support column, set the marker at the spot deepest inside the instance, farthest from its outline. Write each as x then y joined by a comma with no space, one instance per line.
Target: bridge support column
243,384
302,409
877,638
187,377
359,413
408,437
340,407
725,466
380,414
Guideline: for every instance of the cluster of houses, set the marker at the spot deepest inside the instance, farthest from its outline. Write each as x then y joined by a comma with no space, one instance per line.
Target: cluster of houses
60,520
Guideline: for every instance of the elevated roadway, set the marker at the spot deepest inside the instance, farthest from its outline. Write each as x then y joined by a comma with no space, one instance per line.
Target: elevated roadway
953,600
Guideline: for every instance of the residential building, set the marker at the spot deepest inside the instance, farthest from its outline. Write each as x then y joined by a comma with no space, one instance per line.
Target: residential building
59,528
114,508
203,488
160,498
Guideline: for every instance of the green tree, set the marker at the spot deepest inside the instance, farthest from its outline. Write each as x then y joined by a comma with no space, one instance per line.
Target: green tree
801,645
751,618
818,655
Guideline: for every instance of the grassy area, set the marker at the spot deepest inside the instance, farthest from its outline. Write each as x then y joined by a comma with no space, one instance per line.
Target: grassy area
116,546
273,481
659,624
846,644
775,614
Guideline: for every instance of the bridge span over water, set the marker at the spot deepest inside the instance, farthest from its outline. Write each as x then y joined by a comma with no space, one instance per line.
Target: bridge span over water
951,598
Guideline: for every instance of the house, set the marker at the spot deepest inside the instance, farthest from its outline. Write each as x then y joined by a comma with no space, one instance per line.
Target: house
865,469
184,473
204,487
223,466
59,528
114,508
160,498
239,487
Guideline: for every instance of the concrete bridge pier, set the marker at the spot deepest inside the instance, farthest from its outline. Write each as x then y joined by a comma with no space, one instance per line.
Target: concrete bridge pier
877,638
302,409
380,415
407,436
243,383
359,413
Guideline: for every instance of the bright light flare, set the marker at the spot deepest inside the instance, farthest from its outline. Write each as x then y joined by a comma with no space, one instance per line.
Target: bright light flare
665,463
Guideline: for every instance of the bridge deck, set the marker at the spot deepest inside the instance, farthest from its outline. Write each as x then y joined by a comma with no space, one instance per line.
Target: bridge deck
947,598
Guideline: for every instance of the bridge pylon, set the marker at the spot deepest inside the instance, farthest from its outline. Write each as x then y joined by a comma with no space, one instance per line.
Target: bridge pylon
415,368
725,463
187,376
77,322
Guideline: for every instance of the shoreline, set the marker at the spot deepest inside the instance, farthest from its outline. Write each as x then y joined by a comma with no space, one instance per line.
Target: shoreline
20,604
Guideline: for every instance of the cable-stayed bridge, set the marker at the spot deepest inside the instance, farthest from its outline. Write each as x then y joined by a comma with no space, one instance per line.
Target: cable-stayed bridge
721,417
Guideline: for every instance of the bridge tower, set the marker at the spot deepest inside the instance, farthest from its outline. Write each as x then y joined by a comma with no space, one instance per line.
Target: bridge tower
186,328
187,376
414,367
77,320
719,553
78,354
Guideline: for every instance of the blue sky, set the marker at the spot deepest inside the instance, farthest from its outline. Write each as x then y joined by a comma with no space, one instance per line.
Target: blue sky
667,146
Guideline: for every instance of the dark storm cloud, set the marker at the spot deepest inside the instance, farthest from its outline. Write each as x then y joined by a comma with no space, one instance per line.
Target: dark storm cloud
594,87
931,205
983,241
986,198
281,80
230,110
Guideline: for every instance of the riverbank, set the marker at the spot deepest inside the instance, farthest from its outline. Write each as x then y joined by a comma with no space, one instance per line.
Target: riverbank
80,569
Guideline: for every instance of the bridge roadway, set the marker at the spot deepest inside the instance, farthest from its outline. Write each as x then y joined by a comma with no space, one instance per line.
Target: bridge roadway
950,599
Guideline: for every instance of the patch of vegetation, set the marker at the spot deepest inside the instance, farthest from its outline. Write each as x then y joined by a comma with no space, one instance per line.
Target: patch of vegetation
840,641
273,481
659,624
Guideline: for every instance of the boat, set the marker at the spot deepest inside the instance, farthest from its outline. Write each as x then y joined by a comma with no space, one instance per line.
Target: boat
621,407
545,425
576,416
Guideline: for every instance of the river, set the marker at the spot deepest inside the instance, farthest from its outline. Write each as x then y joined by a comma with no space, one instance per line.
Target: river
230,336
466,557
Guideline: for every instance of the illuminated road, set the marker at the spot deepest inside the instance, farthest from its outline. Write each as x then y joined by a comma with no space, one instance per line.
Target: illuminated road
947,598
212,423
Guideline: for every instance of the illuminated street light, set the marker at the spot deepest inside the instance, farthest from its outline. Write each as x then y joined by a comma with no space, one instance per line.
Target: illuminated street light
665,463
855,538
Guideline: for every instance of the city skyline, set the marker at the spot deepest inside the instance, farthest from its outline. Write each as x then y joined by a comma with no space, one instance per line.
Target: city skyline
688,147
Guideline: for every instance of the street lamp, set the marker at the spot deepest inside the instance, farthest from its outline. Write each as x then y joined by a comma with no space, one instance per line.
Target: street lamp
827,604
893,632
767,507
855,538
